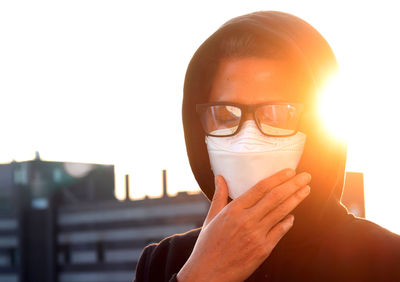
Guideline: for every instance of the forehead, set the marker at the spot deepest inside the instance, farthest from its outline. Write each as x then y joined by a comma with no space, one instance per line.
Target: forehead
257,80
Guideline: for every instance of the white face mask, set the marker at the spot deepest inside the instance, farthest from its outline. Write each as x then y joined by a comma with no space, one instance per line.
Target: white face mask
249,156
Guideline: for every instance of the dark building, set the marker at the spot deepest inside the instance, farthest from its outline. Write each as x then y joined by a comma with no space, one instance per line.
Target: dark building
61,222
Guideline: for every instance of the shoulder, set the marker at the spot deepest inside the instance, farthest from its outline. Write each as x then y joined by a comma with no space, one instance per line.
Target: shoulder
361,231
362,250
358,237
160,261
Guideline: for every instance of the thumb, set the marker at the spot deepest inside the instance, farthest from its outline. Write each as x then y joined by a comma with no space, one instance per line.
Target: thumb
219,200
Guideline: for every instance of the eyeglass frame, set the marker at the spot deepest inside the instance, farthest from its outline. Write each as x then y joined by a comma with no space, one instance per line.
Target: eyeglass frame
244,109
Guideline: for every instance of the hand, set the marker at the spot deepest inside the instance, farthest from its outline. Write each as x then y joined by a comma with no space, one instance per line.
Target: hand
237,237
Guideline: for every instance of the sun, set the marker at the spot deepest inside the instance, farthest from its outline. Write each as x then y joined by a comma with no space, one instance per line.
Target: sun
334,107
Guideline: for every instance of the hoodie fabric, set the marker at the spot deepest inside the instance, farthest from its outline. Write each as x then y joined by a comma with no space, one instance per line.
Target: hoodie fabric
325,243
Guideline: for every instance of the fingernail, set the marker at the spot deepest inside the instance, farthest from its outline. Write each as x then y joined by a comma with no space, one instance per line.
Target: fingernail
305,191
306,177
290,173
291,219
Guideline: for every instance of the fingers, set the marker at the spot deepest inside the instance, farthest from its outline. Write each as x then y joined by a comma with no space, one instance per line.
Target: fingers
220,199
277,232
279,194
285,208
258,191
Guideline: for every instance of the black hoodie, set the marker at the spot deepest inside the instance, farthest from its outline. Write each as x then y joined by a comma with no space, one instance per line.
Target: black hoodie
325,243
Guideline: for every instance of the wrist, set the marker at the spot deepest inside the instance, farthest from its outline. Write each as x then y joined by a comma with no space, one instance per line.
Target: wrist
187,272
183,274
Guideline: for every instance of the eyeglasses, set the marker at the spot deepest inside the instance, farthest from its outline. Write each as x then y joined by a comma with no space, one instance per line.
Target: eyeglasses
222,119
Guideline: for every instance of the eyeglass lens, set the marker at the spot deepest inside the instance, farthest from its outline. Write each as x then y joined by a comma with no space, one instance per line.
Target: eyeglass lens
276,119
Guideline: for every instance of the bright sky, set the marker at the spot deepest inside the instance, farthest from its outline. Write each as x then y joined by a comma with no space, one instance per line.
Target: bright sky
101,81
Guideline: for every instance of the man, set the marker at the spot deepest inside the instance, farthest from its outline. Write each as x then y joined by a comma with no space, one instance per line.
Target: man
251,93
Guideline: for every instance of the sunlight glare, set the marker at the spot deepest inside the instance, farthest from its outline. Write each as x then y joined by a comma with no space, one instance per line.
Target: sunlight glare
336,104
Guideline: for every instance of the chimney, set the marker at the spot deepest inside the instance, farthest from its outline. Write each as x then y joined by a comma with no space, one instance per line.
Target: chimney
127,187
164,182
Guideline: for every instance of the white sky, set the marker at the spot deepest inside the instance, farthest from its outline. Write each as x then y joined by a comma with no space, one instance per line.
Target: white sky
87,81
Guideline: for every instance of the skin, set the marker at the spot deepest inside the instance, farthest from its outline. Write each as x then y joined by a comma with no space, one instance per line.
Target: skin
238,236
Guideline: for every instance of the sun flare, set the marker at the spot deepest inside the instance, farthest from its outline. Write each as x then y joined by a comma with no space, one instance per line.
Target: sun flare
351,115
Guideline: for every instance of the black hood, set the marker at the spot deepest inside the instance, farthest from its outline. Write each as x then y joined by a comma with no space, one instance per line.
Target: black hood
274,34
